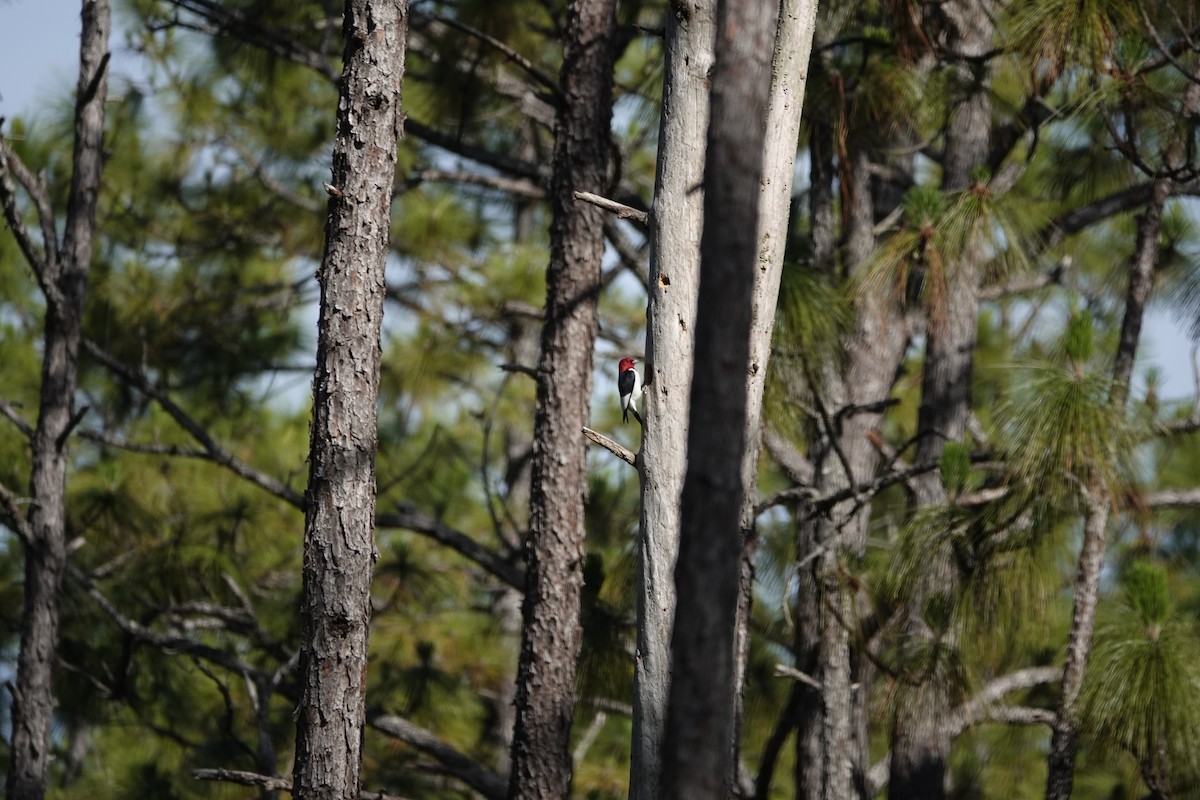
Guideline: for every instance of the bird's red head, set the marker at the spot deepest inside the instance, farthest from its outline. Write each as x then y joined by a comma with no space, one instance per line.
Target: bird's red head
626,363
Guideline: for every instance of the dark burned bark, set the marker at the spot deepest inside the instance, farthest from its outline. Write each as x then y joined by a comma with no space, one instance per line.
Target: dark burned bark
63,275
339,546
541,763
696,753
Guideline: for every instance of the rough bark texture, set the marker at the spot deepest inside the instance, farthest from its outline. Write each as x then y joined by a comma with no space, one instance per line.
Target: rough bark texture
64,276
789,75
696,754
1064,741
830,753
339,546
921,741
675,225
541,763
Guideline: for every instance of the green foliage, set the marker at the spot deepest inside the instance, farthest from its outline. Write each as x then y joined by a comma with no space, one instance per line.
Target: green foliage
1141,693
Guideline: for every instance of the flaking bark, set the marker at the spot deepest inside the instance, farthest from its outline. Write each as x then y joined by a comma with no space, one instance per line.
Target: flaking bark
339,545
552,633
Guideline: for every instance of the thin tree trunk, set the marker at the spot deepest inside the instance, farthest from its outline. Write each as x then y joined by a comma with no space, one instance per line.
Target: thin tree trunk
1064,741
339,545
875,347
785,103
64,277
541,763
921,741
675,225
696,756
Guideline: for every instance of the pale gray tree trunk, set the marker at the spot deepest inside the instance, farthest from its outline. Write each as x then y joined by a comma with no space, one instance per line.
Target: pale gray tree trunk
63,275
339,545
552,632
696,751
676,221
785,103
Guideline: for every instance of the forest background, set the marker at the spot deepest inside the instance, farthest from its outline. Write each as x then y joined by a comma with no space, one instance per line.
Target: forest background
214,135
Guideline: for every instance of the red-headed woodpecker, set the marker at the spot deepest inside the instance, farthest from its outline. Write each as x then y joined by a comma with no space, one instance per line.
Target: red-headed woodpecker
629,384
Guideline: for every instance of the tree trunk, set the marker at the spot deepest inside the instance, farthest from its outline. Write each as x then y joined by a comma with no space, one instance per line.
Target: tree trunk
339,546
921,740
700,716
64,276
785,103
875,348
1064,741
541,762
675,225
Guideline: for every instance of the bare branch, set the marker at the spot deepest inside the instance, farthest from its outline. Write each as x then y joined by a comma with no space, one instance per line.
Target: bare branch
243,778
797,466
402,517
269,782
524,63
411,519
520,369
1028,284
1172,498
11,413
167,642
982,706
632,258
517,187
1119,202
14,517
491,785
618,450
213,451
620,209
784,671
44,260
269,182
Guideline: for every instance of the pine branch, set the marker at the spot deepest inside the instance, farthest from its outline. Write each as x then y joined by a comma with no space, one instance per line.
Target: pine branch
403,517
491,785
511,54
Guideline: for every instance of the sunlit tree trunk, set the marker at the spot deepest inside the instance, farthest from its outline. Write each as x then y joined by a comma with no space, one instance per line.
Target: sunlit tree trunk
675,225
696,752
339,544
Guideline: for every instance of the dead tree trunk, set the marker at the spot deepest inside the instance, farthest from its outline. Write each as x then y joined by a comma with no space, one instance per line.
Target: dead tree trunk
675,226
785,103
696,751
339,545
552,633
63,275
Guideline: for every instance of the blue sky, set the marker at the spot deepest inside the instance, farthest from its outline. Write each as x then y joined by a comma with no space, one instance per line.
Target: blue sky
39,41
